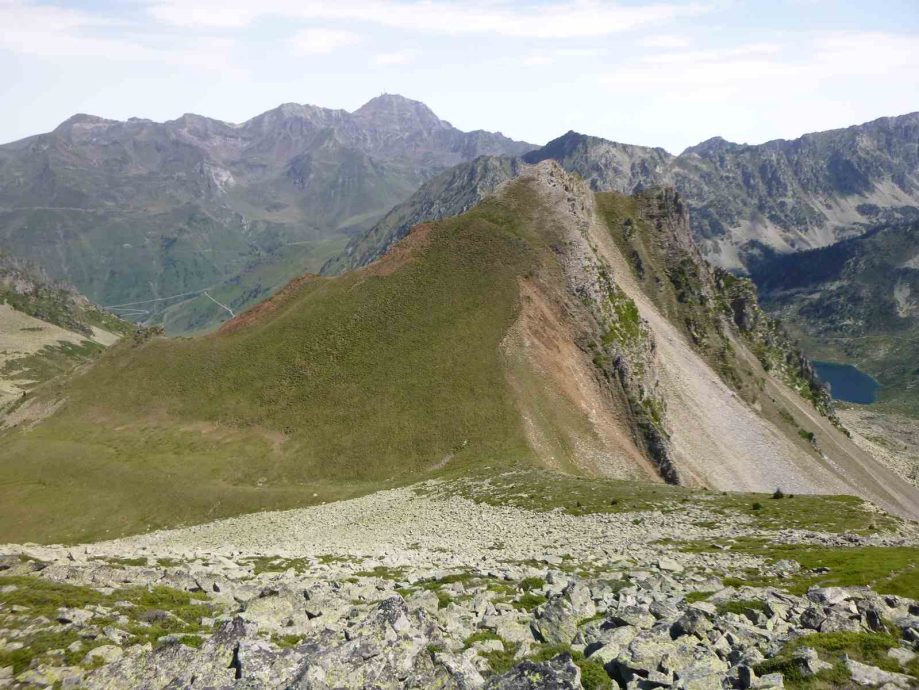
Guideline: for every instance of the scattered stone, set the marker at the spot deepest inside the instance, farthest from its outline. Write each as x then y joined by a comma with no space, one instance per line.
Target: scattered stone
808,662
557,624
669,565
396,612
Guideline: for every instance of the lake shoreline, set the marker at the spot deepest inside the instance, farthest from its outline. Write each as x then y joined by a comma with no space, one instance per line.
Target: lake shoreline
848,383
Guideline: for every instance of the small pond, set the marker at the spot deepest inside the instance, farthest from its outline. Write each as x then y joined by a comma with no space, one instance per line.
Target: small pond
848,383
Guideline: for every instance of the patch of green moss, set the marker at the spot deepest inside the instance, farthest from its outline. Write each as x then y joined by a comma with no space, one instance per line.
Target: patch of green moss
285,641
528,601
866,648
694,597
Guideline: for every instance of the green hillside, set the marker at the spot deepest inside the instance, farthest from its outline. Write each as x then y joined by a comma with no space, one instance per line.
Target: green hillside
356,382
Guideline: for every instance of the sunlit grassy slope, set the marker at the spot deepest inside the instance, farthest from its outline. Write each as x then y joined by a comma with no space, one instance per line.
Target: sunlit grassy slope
349,384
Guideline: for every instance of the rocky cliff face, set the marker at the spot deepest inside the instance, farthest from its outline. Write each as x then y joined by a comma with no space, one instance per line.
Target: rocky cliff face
652,231
683,347
148,212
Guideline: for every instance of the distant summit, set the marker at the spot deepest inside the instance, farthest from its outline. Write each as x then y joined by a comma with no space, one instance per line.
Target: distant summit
713,147
160,212
392,111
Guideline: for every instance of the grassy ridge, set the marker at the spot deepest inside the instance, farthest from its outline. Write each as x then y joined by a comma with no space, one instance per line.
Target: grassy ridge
350,384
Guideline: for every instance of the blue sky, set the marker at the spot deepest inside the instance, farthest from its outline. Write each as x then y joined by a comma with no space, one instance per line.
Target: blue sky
669,73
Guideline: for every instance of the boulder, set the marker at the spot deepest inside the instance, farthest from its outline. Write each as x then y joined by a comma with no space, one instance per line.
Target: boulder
808,662
582,604
839,622
903,656
827,596
557,624
76,617
693,622
669,565
461,670
637,616
770,680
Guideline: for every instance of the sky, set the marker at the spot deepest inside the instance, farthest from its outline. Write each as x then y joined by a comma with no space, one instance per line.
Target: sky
669,73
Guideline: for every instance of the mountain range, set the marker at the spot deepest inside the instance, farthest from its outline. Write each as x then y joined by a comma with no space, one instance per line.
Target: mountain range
784,195
186,223
141,216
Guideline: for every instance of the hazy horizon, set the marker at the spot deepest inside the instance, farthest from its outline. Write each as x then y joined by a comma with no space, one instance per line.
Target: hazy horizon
668,74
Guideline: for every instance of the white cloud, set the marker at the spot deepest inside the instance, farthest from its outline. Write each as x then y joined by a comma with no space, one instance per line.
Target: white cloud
53,32
769,65
714,55
404,58
559,19
582,52
323,41
536,61
663,41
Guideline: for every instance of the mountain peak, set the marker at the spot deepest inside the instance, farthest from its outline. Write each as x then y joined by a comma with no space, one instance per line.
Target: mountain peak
84,120
390,110
712,147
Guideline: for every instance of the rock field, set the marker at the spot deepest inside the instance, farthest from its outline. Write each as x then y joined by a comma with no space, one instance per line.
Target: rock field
406,589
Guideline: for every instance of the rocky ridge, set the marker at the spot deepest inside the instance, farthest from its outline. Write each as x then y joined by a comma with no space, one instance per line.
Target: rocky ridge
561,601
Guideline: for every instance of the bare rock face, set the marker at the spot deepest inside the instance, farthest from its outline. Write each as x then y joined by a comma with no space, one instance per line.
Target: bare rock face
788,195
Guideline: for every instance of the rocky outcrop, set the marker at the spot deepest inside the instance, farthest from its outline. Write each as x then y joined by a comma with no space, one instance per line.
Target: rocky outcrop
789,195
27,288
771,343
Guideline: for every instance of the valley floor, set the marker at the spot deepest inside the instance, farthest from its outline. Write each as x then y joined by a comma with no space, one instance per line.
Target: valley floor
480,583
